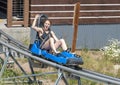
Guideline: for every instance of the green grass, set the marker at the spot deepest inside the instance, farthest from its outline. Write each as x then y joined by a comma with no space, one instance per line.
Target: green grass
93,60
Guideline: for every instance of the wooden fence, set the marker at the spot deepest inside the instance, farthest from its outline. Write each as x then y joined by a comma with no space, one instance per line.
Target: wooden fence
17,12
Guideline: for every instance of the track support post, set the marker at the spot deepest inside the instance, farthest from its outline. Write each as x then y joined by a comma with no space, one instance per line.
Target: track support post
4,64
31,68
79,80
21,68
61,75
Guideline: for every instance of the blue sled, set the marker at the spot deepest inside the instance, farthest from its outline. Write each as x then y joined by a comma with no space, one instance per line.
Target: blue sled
65,57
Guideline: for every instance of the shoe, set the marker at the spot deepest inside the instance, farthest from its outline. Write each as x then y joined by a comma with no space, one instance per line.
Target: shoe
57,52
68,50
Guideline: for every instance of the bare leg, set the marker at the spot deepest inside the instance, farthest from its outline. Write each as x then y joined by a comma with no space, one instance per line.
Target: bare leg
61,43
49,44
46,45
52,45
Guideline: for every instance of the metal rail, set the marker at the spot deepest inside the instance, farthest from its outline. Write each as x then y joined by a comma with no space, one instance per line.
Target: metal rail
14,41
84,73
80,73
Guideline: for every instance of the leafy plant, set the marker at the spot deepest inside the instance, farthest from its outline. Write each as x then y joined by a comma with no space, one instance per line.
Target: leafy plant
112,51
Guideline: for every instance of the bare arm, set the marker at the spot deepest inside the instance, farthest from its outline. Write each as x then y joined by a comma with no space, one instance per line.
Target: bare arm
54,36
38,29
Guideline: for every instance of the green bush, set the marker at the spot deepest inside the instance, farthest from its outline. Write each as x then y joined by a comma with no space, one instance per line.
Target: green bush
112,51
10,73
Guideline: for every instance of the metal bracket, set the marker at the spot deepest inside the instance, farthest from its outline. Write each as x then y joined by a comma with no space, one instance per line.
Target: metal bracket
61,75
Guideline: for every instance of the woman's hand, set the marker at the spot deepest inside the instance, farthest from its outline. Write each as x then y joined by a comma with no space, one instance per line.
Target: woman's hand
35,21
36,17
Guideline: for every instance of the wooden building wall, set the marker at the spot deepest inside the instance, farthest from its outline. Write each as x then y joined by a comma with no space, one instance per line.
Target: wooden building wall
61,11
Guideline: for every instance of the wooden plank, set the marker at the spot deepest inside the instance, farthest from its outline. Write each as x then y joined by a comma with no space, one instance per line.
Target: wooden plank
26,13
100,7
70,14
54,14
99,21
9,13
57,21
17,22
74,1
54,1
82,21
52,8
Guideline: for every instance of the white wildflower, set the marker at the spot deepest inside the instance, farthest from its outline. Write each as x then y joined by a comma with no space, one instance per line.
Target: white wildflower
112,50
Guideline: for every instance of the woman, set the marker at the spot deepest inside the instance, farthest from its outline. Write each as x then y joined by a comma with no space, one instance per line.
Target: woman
52,42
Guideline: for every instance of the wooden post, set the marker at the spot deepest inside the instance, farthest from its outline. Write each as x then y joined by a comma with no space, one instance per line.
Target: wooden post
26,13
75,24
9,13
